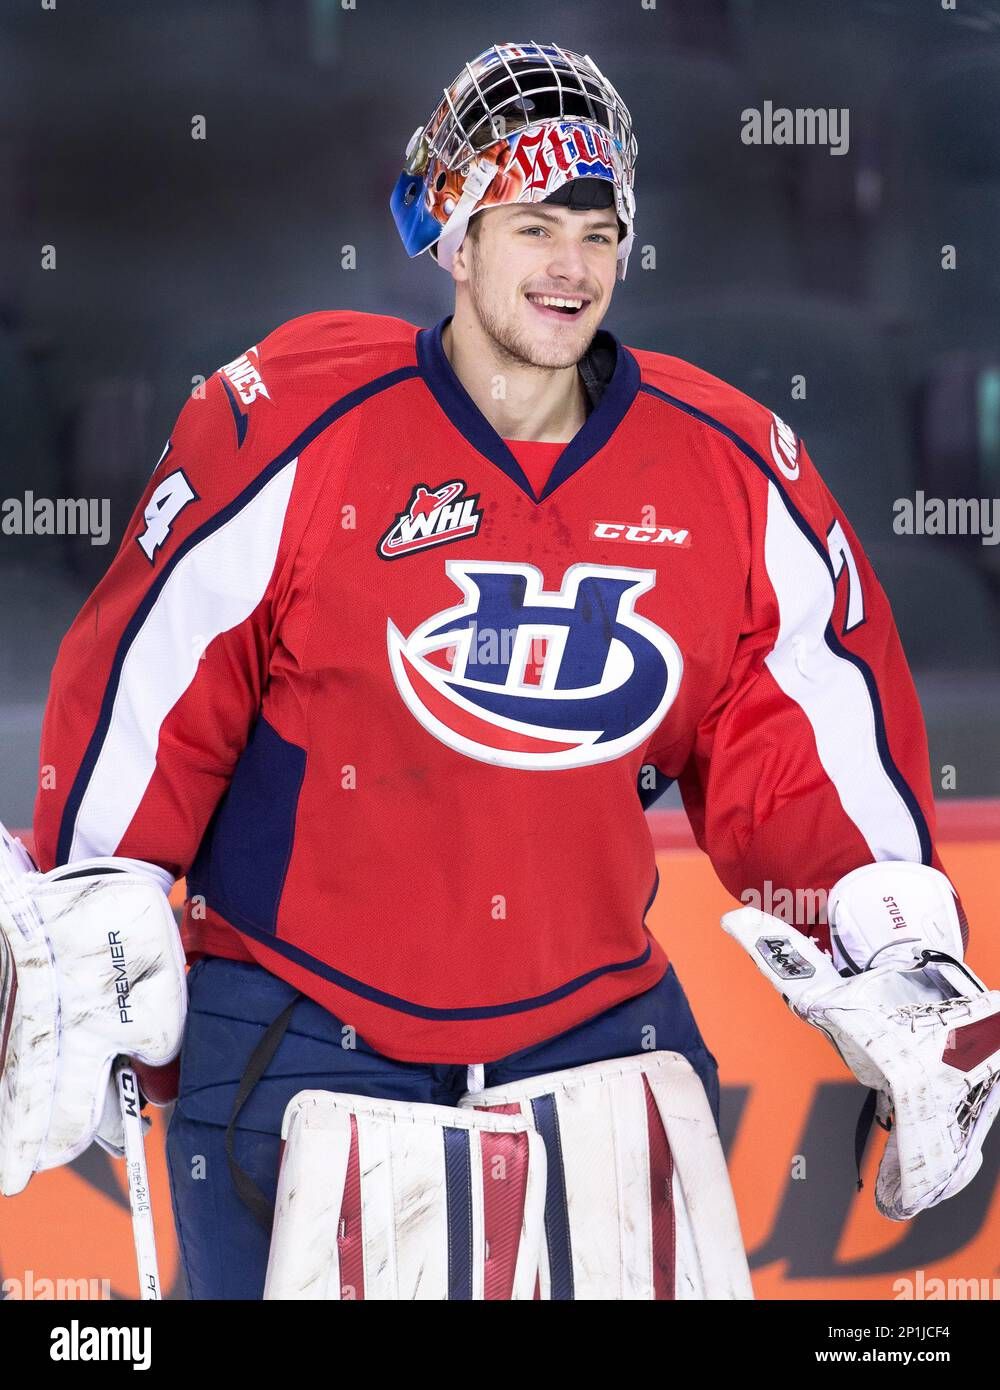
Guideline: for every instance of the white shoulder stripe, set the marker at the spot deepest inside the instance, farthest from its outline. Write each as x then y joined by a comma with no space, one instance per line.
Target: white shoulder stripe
212,589
830,690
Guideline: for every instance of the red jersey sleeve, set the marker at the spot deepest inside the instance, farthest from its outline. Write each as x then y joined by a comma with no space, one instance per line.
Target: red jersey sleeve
159,679
812,759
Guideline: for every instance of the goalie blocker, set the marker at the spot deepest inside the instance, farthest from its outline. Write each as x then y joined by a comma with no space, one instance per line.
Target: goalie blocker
91,967
602,1182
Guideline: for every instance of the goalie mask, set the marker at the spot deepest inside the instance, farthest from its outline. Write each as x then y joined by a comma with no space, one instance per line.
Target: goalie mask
518,124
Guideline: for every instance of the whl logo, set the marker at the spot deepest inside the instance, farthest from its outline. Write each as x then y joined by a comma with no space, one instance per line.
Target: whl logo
521,677
434,516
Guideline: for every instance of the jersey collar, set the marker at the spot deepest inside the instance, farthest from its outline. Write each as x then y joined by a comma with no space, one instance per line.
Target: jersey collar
469,420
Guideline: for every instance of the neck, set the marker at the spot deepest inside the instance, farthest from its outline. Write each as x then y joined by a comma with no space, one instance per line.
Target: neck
547,404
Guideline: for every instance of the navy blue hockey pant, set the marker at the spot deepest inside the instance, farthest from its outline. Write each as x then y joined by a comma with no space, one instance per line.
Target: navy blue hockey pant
223,1247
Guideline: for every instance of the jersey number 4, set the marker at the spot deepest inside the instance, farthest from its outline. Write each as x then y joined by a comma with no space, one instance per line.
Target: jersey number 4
162,510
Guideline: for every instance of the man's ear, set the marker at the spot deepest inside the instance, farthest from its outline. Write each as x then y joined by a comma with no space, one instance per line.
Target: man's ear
460,260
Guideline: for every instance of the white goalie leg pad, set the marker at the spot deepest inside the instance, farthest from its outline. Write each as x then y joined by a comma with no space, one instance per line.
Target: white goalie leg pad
638,1204
91,966
395,1200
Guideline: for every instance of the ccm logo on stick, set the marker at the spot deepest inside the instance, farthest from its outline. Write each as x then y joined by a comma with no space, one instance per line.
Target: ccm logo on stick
647,535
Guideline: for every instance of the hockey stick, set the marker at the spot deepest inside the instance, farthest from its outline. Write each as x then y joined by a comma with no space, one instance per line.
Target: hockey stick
143,1233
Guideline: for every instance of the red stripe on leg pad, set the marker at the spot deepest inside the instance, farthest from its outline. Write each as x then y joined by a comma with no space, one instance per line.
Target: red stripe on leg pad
350,1243
505,1183
661,1200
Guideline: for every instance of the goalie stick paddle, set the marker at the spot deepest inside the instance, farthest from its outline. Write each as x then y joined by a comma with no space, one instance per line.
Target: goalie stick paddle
143,1233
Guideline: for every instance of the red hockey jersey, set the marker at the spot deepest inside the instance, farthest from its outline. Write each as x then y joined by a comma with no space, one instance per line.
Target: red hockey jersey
391,712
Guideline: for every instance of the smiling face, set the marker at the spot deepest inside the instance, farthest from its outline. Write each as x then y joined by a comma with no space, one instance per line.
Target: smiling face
539,278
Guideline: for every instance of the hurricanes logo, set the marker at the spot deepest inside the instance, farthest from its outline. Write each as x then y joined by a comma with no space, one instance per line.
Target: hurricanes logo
521,677
246,377
784,448
241,378
433,516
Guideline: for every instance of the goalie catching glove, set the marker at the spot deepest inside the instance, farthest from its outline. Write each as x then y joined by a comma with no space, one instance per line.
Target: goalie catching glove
91,967
906,1014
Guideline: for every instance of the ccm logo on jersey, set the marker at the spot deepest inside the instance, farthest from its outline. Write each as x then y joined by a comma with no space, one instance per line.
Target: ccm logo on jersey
647,535
784,449
433,516
470,675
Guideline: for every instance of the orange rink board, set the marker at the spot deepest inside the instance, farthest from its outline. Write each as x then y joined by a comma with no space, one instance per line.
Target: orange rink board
788,1115
790,1105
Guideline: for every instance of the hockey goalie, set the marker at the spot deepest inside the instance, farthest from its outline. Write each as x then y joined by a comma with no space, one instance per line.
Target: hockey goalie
403,623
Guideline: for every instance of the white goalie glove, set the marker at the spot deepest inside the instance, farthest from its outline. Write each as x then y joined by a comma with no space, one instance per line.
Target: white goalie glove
906,1014
91,968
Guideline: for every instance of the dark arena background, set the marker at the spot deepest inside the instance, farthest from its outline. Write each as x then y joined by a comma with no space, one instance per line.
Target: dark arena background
176,180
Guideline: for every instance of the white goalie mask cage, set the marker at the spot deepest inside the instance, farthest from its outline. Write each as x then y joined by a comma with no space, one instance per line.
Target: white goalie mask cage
517,124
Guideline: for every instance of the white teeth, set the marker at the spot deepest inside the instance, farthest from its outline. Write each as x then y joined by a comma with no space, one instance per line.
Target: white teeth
552,301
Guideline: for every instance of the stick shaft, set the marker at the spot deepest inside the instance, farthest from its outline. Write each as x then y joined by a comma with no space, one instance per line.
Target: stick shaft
138,1181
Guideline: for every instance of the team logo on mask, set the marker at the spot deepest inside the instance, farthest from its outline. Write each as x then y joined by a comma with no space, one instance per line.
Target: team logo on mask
528,678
